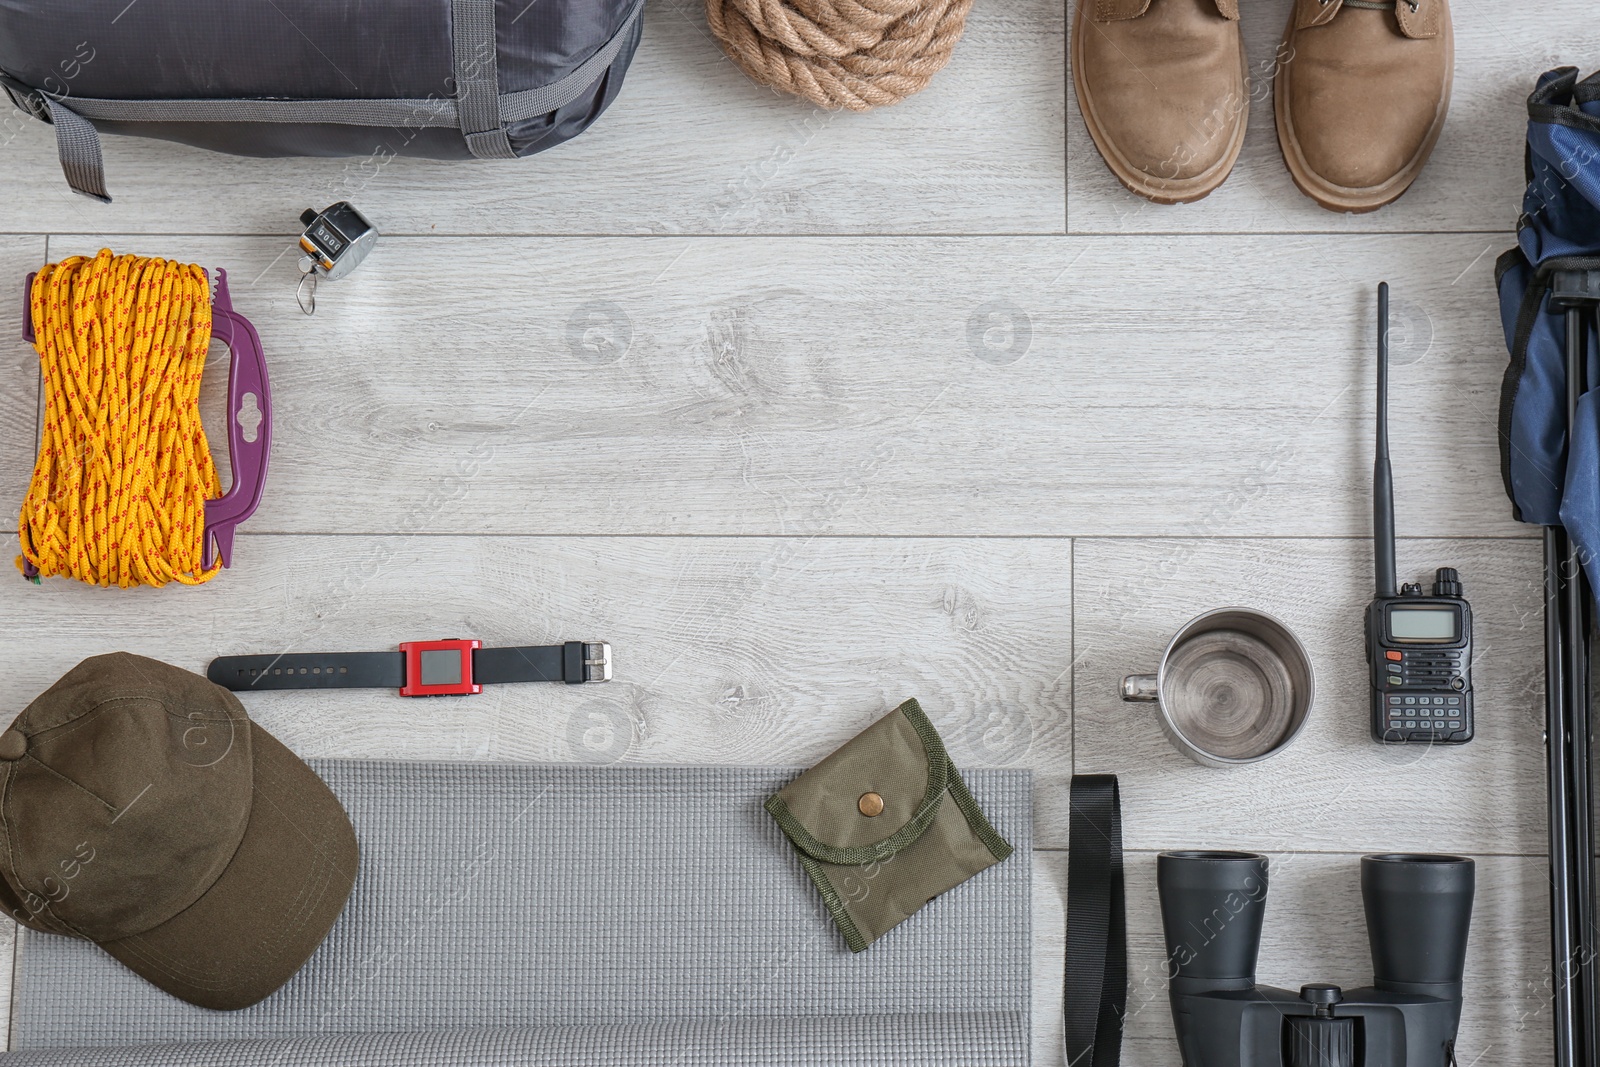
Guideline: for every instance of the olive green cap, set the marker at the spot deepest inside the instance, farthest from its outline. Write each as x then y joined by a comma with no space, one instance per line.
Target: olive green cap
141,809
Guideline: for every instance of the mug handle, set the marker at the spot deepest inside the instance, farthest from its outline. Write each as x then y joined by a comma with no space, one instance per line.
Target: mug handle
1140,687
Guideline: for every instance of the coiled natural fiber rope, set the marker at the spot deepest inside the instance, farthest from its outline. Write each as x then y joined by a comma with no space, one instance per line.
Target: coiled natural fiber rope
124,472
855,54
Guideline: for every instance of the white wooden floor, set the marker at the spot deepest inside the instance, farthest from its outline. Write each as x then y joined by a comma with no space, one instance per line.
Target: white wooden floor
807,413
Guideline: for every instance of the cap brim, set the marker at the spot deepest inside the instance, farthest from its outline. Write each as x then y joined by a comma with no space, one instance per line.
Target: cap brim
259,923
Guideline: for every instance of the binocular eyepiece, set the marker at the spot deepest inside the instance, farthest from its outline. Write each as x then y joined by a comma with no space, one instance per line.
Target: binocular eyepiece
1418,910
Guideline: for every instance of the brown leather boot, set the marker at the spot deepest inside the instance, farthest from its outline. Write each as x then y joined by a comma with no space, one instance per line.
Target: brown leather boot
1162,88
1363,90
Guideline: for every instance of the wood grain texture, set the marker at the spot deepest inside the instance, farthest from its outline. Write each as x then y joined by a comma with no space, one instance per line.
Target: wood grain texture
690,146
1315,932
737,651
1474,181
1333,789
795,478
19,384
864,386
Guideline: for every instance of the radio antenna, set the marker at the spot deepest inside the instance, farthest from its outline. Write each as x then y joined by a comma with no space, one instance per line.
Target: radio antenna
1382,475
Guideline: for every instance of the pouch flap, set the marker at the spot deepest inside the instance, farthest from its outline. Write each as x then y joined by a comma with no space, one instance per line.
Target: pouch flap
897,768
1419,19
1116,10
873,831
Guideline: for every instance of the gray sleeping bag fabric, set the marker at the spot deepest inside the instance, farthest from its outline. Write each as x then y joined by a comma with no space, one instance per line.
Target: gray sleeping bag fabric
446,79
547,916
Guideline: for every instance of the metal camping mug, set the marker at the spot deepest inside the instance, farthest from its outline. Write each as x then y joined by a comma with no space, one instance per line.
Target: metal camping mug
1234,686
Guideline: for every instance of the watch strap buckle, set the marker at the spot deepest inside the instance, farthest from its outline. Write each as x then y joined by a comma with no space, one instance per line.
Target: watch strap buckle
586,661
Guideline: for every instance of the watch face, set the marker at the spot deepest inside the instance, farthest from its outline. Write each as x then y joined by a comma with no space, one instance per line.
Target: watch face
441,666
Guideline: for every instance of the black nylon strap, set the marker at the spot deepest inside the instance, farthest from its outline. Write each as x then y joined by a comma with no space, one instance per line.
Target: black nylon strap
387,670
1096,986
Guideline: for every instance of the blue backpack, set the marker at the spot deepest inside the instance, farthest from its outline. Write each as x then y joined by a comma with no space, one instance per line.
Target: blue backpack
1550,285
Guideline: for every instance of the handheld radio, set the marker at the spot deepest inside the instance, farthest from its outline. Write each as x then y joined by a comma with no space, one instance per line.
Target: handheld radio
1419,647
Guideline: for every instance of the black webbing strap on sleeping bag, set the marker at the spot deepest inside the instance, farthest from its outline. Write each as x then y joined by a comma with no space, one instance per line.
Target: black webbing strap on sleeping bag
1096,985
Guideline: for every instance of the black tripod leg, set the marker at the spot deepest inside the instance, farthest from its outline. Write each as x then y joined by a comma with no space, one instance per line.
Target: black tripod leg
1575,617
1563,939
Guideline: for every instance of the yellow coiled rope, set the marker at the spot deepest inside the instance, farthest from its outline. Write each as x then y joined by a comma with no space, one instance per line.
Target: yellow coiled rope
124,471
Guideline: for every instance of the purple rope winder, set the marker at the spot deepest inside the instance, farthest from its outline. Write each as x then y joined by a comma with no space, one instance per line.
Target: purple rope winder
249,422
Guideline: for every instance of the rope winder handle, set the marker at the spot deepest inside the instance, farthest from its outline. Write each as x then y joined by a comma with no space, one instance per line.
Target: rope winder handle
249,427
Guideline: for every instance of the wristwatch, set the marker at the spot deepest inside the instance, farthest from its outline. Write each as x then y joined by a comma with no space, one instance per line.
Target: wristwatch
418,669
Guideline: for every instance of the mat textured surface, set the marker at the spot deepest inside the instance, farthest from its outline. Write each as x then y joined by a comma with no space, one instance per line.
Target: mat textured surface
559,914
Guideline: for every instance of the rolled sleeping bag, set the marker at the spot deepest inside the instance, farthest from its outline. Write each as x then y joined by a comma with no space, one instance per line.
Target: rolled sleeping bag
442,79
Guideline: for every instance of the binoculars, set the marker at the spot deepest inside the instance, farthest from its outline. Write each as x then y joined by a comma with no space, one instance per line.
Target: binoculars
1418,910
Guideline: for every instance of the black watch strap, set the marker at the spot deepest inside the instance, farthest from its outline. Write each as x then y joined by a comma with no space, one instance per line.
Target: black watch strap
546,663
574,662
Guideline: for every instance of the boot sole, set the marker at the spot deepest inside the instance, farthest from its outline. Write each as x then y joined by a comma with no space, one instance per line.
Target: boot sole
1164,191
1341,198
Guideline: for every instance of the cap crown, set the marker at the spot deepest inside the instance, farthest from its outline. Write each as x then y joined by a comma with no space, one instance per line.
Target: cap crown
130,800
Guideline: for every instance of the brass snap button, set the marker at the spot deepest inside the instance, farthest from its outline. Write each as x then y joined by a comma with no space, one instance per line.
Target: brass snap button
13,745
870,804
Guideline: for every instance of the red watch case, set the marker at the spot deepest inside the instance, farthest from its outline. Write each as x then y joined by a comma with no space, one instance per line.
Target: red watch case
416,687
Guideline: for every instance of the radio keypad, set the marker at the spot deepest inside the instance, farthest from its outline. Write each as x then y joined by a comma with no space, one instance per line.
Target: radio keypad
1424,717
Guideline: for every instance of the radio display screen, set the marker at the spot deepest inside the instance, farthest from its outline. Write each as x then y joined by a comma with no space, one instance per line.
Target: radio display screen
1424,624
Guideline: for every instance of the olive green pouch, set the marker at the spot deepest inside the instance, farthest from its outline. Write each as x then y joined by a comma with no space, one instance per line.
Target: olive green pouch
885,824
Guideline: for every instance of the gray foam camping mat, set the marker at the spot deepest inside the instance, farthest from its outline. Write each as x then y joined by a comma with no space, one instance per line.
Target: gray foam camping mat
555,914
992,1040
